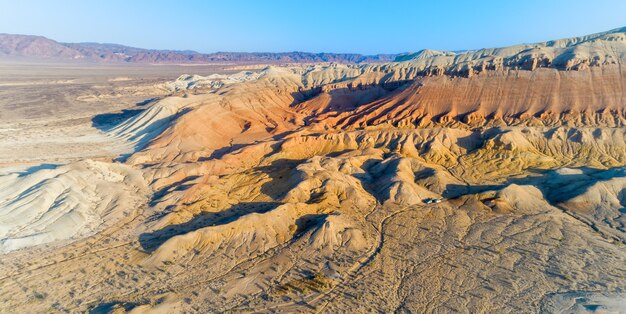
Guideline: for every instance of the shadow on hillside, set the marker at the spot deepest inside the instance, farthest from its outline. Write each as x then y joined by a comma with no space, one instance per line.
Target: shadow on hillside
106,121
555,187
221,152
152,240
280,172
36,168
308,222
113,307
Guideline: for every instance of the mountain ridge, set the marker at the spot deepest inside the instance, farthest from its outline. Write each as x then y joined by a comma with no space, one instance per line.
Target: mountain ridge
40,47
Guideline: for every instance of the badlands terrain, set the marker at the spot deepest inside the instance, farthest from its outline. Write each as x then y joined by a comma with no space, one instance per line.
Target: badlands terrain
491,180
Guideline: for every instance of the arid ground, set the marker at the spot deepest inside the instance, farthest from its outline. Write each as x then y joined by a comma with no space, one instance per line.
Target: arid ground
488,181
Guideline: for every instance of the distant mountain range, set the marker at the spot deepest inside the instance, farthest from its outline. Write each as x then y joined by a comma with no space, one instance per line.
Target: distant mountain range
39,47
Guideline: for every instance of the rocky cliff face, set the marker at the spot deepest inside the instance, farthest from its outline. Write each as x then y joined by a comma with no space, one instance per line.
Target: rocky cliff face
546,97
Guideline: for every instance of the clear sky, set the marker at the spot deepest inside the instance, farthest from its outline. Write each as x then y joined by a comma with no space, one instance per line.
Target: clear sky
316,26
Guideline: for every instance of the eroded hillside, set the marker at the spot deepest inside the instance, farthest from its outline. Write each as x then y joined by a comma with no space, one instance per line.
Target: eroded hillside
484,181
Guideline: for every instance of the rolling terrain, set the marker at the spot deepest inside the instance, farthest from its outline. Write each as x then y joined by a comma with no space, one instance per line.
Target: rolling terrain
480,181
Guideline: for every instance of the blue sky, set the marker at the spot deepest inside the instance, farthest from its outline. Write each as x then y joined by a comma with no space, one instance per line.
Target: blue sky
316,26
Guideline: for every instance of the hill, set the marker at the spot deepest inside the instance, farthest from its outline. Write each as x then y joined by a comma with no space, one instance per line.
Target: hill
477,181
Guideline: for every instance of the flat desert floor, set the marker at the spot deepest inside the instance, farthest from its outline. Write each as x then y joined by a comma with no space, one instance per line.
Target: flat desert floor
54,112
